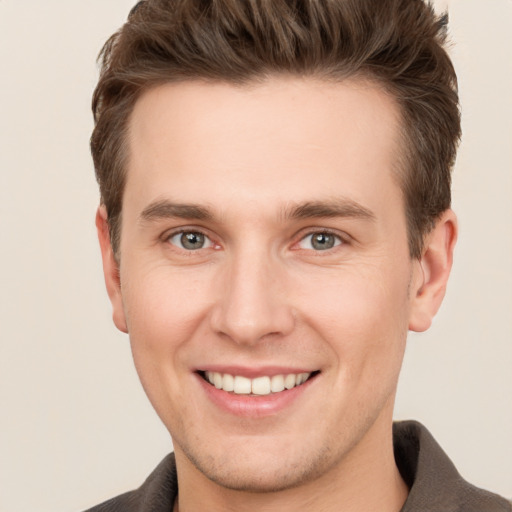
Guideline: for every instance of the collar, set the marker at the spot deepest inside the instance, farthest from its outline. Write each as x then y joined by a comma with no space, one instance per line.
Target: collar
435,485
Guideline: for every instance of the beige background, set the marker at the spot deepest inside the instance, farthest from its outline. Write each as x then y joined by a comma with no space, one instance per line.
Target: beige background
75,425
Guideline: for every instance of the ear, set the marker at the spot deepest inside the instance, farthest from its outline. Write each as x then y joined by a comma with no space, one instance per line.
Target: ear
432,272
110,270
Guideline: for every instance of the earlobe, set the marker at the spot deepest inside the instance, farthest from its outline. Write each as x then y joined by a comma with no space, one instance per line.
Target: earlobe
432,272
110,270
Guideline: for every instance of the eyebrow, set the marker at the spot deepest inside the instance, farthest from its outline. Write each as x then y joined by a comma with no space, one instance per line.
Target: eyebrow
165,209
338,207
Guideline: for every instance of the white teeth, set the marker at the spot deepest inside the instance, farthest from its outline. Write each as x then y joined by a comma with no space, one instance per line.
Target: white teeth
261,386
277,383
242,385
217,380
228,382
258,386
301,378
290,381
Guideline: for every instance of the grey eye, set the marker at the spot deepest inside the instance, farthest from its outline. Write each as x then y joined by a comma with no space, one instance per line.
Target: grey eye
319,241
190,240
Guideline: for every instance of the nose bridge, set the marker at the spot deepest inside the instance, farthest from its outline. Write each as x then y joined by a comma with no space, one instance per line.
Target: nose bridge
252,301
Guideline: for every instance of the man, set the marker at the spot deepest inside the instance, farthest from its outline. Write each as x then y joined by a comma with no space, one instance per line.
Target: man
275,216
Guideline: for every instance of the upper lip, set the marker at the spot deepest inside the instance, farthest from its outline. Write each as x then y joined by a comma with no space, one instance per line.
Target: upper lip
254,372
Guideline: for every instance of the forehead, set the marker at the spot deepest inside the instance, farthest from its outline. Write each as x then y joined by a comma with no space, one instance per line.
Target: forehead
285,139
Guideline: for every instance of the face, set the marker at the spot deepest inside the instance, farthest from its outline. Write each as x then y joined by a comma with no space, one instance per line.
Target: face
265,279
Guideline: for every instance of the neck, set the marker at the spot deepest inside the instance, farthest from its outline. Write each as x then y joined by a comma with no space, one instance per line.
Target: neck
366,479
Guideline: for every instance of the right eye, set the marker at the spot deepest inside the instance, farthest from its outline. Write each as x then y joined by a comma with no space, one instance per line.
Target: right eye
190,240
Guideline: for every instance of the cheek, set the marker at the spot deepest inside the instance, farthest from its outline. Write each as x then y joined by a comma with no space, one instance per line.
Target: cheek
163,311
163,308
364,318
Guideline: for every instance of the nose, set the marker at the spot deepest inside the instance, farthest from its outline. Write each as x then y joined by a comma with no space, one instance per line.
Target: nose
252,303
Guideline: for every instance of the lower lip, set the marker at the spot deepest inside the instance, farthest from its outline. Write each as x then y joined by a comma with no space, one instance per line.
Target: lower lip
254,406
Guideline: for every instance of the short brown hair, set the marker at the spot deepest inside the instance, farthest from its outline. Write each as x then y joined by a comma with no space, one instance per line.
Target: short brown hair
400,44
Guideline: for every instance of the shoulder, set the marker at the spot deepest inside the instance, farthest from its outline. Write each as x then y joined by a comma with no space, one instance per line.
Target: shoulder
126,502
434,482
156,494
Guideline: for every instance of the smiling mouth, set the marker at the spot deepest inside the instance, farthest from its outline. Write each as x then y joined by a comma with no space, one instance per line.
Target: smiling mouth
260,386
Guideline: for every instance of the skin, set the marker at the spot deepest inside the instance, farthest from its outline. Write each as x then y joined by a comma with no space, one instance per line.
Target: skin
259,294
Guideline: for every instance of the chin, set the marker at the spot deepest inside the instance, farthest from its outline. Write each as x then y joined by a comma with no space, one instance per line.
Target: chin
267,483
258,470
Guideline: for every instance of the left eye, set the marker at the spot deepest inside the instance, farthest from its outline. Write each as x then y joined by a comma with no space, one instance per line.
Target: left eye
320,241
190,240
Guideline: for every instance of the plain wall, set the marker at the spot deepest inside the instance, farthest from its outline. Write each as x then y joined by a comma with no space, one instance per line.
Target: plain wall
76,427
